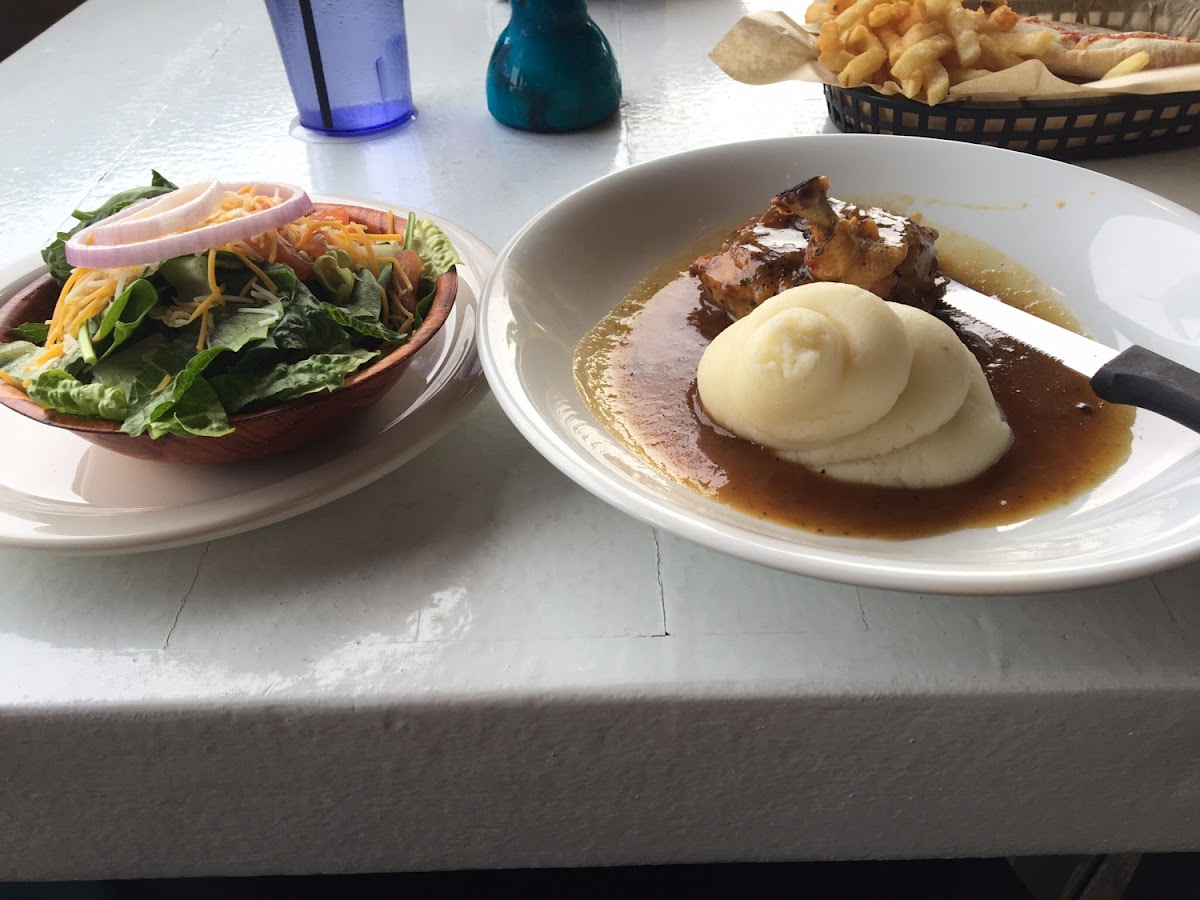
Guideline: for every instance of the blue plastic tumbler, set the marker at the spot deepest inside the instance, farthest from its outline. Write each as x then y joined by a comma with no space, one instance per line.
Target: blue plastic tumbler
346,62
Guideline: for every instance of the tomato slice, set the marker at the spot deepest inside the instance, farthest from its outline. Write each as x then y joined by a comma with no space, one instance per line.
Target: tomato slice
300,262
337,214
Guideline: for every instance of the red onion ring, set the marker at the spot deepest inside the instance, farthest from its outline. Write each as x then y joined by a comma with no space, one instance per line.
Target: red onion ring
140,253
159,216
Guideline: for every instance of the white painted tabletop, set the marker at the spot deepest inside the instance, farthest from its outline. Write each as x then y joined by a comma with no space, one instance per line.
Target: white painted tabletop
533,678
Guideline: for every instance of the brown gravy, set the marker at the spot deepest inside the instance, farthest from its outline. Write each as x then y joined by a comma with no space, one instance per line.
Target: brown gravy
637,372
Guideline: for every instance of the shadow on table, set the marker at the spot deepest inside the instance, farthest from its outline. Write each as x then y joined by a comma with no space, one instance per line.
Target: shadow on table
1159,877
22,27
926,880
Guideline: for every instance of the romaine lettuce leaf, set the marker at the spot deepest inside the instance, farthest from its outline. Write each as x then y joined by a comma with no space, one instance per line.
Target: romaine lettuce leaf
435,248
86,349
15,355
334,269
62,392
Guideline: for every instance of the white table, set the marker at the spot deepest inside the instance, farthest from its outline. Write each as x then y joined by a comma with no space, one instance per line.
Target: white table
540,680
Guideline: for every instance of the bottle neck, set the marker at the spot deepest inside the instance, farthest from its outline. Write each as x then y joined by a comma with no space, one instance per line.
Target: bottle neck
549,12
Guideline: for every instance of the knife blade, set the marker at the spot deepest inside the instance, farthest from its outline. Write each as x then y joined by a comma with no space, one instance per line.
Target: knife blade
1134,376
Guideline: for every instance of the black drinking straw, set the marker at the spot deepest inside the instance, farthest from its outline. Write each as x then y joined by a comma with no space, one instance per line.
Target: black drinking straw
314,55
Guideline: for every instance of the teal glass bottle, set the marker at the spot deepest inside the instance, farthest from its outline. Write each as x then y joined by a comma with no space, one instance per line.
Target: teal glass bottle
552,69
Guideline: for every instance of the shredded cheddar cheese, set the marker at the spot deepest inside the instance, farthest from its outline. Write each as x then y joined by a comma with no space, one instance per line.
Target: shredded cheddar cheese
309,226
212,272
87,293
408,285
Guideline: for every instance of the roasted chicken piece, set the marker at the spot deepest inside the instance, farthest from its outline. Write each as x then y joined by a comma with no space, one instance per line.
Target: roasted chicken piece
805,236
762,258
885,253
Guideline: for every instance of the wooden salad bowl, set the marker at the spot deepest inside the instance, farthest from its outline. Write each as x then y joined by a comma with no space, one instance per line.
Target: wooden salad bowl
257,434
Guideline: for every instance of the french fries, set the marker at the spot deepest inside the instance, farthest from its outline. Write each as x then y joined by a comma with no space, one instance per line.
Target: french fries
1128,66
961,25
995,55
925,46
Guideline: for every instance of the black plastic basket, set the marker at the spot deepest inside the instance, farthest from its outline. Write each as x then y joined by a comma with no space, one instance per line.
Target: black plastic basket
1062,129
1115,125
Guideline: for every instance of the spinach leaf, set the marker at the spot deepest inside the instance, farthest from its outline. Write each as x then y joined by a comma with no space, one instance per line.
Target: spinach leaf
198,413
126,313
235,325
363,313
171,353
188,275
306,325
284,277
365,327
257,357
55,255
287,381
180,349
36,332
366,300
160,404
135,370
422,310
117,202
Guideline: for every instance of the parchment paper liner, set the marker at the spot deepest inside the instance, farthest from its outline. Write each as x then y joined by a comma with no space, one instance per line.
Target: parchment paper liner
769,47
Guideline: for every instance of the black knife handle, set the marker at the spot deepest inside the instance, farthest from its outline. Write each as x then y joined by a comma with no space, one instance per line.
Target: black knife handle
1140,377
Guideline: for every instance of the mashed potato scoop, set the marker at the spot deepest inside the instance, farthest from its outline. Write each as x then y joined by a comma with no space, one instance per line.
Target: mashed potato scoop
854,387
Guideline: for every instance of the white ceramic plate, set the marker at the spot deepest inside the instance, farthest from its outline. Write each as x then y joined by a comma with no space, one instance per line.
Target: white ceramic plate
58,492
1127,263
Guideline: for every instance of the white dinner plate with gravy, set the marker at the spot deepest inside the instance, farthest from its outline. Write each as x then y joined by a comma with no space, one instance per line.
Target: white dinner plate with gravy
1125,262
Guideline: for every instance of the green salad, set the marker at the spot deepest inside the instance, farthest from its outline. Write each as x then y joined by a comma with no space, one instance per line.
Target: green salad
181,307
